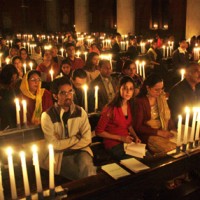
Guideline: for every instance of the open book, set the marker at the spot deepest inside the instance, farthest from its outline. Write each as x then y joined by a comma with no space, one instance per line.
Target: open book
136,150
134,165
115,171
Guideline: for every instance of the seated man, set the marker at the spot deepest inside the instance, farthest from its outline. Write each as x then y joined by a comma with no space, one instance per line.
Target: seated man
66,127
79,79
186,92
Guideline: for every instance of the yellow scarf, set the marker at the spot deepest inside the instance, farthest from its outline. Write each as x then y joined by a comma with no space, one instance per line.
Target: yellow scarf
24,87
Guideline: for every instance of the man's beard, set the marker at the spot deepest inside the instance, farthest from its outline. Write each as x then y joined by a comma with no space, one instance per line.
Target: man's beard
67,102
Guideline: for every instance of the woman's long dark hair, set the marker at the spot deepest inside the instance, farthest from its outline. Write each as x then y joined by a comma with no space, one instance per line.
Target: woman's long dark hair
117,100
89,66
150,81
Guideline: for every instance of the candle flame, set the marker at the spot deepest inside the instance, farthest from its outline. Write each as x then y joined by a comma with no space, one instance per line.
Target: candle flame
187,109
9,151
34,148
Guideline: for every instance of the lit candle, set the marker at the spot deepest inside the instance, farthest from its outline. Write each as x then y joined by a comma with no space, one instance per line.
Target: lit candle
25,174
37,169
163,51
140,69
62,50
1,185
24,104
78,53
11,173
57,39
179,130
85,53
31,65
198,126
51,73
24,65
96,98
167,52
17,105
7,61
51,167
195,110
182,74
137,66
187,117
85,88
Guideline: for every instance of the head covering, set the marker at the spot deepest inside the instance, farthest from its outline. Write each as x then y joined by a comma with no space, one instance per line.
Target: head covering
24,87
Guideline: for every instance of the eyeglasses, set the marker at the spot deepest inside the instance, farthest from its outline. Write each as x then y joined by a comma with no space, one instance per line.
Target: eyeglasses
35,79
64,93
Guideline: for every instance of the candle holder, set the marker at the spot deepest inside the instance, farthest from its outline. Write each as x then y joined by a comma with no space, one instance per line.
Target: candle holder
178,149
191,145
184,147
40,196
196,143
52,194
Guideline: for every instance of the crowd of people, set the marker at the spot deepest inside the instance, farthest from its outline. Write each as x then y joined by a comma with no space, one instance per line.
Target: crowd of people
132,108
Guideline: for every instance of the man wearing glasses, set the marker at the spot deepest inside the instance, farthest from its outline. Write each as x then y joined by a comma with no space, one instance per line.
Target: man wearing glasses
66,127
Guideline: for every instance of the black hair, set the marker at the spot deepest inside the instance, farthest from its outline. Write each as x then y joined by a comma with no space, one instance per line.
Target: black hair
15,58
58,82
88,65
67,45
80,73
7,72
127,64
150,81
117,100
30,73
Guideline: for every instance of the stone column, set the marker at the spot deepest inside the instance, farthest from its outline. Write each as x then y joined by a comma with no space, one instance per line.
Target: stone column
52,16
126,16
192,18
81,15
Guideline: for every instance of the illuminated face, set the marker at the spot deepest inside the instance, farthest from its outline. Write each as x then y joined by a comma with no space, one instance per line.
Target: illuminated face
95,60
105,70
66,68
127,91
70,51
156,90
65,96
34,83
54,51
194,75
18,64
23,54
47,56
131,71
79,82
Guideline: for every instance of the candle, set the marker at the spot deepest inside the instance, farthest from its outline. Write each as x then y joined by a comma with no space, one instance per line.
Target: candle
24,104
1,185
198,126
0,60
85,88
140,69
143,69
25,174
17,111
167,52
11,173
62,50
195,110
96,98
85,53
187,117
37,169
7,61
78,53
51,73
163,51
182,74
179,130
31,65
24,65
51,167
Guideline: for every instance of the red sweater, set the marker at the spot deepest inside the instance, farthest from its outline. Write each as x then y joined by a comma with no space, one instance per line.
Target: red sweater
114,122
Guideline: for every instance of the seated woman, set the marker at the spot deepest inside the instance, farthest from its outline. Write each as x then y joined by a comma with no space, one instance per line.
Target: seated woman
91,66
66,68
38,99
129,68
152,116
115,124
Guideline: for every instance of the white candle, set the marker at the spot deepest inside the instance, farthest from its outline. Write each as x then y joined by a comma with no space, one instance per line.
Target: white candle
62,50
37,169
163,51
51,73
187,117
85,88
51,167
137,66
24,65
85,53
25,174
11,173
167,52
17,111
24,104
96,98
179,130
78,53
31,65
194,119
143,69
7,61
1,185
140,68
182,74
198,126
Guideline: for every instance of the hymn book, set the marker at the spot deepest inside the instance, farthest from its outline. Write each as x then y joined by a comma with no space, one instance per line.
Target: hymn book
115,171
134,165
135,149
